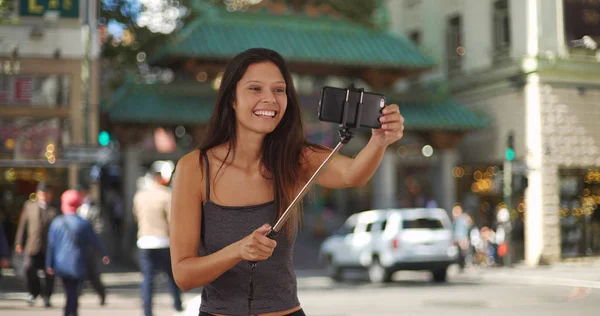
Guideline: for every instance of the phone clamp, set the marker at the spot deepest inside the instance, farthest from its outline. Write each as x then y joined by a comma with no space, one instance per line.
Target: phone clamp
344,131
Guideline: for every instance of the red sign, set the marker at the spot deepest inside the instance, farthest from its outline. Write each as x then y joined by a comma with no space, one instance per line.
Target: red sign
23,87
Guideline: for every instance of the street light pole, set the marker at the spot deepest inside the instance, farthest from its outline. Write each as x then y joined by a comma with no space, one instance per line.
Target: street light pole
509,156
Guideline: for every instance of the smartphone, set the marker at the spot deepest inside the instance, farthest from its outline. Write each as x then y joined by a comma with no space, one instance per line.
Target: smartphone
331,107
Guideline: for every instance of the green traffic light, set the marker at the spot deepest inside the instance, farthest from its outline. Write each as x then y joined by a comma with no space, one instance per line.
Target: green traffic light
510,154
103,138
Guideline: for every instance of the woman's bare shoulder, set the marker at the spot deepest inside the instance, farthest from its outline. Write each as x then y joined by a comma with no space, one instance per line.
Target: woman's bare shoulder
190,162
189,169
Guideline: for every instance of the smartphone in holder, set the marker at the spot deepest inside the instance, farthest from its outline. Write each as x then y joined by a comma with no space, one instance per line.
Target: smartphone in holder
332,101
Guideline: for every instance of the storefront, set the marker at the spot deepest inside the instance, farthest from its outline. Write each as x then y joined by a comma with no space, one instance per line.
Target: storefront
41,113
579,212
480,195
18,184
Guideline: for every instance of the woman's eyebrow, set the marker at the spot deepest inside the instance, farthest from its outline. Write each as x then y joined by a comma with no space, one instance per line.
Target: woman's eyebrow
258,81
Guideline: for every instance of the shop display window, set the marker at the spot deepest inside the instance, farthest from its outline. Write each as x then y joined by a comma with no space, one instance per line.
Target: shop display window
28,138
579,212
38,91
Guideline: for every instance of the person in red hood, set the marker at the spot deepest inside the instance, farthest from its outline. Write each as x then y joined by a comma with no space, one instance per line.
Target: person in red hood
69,238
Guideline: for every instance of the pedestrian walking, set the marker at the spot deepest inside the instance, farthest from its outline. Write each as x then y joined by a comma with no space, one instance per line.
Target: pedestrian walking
91,211
152,211
3,249
69,239
35,220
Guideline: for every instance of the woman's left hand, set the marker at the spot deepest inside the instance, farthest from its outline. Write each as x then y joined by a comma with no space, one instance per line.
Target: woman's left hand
392,126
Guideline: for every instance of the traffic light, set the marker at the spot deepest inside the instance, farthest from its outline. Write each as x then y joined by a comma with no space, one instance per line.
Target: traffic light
509,153
103,138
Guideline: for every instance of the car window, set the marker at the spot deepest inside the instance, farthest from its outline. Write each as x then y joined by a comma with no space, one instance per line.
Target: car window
423,223
383,225
345,230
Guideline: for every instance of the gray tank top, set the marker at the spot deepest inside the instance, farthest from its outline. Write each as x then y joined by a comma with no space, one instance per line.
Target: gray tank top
274,281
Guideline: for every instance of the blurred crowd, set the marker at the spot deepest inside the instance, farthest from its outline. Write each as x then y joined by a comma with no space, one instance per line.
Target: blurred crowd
478,246
62,238
59,237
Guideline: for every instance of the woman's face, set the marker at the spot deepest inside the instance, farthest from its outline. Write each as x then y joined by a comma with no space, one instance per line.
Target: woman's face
260,98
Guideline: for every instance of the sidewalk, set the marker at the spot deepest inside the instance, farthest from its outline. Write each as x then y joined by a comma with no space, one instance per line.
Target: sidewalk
123,297
576,274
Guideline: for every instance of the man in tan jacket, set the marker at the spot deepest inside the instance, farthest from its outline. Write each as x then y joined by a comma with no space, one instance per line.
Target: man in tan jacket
152,208
35,219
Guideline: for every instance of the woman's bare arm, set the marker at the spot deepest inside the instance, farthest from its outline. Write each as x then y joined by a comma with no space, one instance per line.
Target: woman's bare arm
190,270
342,171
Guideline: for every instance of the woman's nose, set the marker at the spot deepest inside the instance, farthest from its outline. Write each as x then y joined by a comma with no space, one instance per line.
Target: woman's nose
268,97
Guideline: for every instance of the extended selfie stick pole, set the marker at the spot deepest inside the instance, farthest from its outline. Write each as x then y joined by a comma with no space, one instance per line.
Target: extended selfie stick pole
345,136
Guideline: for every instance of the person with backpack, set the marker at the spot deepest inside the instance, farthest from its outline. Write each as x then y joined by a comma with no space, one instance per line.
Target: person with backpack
69,238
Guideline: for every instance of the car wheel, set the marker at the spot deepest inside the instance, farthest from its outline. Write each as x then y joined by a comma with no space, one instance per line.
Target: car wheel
440,276
378,273
333,270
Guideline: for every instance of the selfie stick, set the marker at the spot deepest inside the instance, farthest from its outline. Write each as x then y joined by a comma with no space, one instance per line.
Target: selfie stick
345,136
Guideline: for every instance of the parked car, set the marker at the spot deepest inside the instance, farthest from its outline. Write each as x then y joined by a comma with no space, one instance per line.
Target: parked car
386,241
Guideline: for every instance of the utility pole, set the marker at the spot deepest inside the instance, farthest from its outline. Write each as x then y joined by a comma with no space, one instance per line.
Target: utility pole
87,65
509,157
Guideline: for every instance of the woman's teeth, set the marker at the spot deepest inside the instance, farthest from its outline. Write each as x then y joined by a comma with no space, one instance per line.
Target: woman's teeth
265,113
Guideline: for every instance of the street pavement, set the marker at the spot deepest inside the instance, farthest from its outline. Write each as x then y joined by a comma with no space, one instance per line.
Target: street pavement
517,291
561,289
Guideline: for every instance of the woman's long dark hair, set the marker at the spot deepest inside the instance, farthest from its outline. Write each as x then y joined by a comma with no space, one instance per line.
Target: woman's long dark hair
282,148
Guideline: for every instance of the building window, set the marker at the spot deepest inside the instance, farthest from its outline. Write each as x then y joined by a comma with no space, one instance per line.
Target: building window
582,27
501,31
415,37
411,3
28,138
41,91
579,212
456,49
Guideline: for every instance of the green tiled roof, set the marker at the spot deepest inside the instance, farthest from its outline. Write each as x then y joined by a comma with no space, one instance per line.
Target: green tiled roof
443,114
139,103
219,34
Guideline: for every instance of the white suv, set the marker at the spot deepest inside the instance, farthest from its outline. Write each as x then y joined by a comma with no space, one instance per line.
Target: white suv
386,241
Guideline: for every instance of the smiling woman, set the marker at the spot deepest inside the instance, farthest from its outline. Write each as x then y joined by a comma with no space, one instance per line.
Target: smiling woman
252,162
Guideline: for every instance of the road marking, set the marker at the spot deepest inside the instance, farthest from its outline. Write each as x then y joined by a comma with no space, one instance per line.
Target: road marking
579,293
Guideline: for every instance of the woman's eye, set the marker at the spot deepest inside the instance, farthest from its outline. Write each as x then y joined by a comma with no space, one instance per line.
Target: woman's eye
280,90
255,88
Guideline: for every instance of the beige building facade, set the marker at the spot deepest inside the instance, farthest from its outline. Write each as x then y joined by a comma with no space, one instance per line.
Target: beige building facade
48,100
531,67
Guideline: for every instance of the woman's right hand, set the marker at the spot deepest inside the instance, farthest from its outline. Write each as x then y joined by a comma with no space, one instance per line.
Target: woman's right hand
257,246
